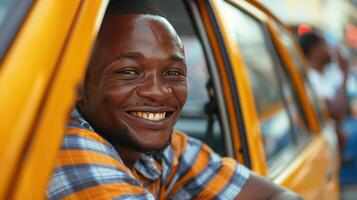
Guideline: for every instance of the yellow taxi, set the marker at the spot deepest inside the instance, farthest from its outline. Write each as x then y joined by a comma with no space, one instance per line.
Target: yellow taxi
248,93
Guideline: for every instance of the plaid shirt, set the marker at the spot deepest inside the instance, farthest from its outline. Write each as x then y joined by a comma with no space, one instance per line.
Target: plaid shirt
88,167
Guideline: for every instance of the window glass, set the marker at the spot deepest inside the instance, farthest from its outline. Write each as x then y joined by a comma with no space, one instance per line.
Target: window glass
12,13
199,117
5,6
289,44
281,121
299,121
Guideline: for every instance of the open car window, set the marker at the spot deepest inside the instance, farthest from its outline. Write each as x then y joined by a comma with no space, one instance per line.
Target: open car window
200,117
283,125
290,46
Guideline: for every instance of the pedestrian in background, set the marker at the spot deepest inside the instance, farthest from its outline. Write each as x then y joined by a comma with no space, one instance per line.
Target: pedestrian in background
328,73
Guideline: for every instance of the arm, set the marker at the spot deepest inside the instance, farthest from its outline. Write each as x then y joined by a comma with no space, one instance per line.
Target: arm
258,188
202,174
338,106
86,169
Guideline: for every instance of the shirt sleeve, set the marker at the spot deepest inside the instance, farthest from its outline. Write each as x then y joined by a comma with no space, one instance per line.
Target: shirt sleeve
322,86
203,174
88,169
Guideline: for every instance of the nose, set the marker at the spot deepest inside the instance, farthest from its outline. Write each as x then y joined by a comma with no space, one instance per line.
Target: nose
154,89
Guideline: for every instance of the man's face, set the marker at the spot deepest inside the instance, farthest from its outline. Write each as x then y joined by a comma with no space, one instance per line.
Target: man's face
136,83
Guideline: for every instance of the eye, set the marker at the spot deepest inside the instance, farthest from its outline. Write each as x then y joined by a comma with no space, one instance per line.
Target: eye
129,72
175,72
175,75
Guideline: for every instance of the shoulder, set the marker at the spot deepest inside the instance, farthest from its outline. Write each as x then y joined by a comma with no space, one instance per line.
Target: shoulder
202,173
87,161
181,141
183,145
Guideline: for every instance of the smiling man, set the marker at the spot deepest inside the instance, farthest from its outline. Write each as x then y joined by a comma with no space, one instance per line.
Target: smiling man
120,142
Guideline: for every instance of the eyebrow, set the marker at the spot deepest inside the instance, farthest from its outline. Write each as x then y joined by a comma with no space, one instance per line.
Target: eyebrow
132,55
137,55
177,58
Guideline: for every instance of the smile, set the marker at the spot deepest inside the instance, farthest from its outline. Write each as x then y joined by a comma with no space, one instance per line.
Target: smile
149,115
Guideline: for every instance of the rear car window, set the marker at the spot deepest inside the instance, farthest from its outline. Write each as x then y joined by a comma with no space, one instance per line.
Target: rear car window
290,46
282,124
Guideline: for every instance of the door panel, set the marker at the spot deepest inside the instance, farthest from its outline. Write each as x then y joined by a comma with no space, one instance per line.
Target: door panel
307,170
59,100
25,73
59,36
320,125
311,172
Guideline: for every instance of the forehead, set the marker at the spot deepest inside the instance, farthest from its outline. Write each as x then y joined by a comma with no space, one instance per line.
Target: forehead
150,35
130,30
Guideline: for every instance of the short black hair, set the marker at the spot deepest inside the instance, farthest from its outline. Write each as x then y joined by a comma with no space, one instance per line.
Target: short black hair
308,40
133,7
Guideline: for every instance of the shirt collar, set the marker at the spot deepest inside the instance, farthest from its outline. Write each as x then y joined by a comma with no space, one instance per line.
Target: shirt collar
78,121
145,165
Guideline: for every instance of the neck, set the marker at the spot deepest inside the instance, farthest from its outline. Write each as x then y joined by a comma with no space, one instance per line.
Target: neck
128,156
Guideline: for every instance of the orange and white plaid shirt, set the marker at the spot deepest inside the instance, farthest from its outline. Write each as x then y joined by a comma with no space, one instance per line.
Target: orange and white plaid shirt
88,167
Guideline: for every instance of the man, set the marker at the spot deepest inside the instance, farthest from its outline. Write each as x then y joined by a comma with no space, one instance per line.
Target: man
120,143
330,87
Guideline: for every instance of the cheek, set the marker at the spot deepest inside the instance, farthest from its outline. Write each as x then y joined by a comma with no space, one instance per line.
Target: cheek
180,92
115,95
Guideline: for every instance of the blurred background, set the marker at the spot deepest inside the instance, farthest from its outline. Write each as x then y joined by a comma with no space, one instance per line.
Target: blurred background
337,20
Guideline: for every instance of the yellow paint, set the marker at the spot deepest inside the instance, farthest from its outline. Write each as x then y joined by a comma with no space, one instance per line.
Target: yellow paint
308,174
41,70
226,87
296,78
38,81
24,76
54,116
252,126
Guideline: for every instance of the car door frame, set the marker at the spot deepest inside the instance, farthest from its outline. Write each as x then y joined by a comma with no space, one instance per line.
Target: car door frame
60,36
315,151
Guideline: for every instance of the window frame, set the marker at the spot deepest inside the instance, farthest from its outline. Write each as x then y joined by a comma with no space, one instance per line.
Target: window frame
264,20
29,129
301,66
278,167
297,78
275,167
194,13
213,26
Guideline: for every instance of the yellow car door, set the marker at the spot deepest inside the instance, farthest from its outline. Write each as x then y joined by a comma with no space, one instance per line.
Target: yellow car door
45,58
324,128
281,131
43,62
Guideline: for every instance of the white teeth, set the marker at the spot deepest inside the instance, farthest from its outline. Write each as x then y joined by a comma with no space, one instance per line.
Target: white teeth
157,116
149,115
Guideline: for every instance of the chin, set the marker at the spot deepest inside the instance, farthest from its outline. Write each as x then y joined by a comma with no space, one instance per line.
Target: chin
147,145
